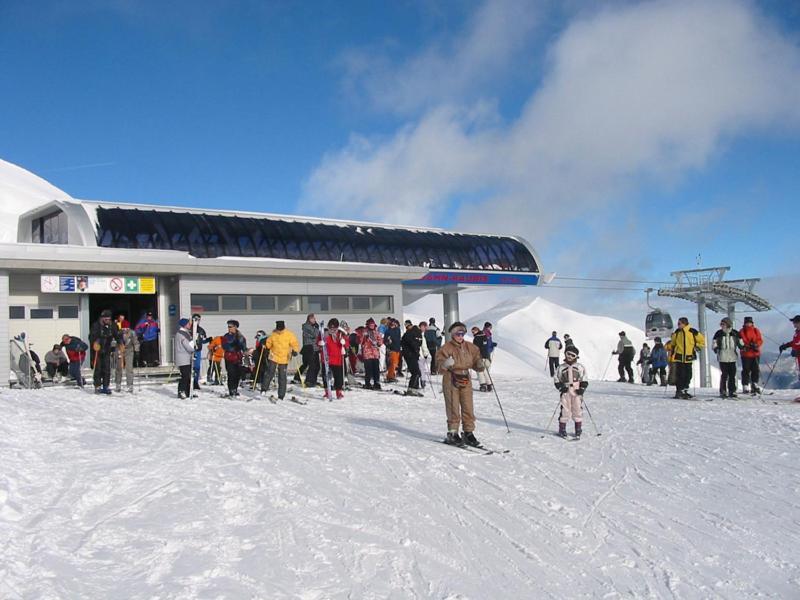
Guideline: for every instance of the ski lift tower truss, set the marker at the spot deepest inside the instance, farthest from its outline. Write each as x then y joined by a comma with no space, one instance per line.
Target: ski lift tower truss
708,288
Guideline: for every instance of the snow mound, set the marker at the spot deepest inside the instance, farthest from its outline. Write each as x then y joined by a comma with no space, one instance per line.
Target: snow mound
521,327
21,191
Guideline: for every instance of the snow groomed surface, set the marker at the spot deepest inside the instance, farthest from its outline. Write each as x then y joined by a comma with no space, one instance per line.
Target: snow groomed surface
150,496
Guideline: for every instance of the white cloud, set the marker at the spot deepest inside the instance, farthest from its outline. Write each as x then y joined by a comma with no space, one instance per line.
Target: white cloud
631,93
446,68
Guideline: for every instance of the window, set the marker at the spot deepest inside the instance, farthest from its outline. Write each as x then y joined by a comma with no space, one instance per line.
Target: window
67,312
205,303
317,304
231,302
361,303
16,312
382,304
262,303
42,313
50,229
340,303
289,304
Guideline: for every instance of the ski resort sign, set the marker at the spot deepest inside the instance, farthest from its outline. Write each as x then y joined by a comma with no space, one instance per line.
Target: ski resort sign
105,284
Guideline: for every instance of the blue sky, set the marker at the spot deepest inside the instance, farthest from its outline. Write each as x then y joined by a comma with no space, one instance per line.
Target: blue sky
621,138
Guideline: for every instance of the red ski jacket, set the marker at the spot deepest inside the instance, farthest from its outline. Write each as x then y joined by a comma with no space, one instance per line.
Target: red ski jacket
751,337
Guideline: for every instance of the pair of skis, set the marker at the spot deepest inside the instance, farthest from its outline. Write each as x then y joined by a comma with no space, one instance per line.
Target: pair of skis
480,449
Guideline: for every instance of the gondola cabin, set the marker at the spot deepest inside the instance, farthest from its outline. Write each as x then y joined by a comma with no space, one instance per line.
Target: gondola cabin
658,324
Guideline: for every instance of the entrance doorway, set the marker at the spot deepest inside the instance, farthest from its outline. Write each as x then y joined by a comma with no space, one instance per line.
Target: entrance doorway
133,306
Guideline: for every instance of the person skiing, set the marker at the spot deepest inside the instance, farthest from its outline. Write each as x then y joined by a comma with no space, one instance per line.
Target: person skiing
751,354
76,349
215,355
394,346
147,329
726,345
686,341
124,354
482,344
626,353
184,356
311,335
553,346
658,363
235,347
56,364
424,355
794,344
371,342
103,335
490,343
336,344
570,380
454,359
282,345
433,340
259,356
644,359
412,345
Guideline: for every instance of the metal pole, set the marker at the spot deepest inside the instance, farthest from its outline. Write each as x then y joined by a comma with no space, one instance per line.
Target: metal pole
701,327
450,305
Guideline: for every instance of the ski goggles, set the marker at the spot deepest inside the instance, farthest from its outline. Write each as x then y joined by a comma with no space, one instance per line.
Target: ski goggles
460,333
570,355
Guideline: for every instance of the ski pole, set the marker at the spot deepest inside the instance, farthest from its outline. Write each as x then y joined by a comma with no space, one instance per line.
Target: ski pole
258,367
553,416
430,380
508,430
608,364
588,412
775,364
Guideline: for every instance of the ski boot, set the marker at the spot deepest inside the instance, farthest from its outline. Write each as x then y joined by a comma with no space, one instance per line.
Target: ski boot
470,439
377,387
578,429
453,439
339,394
745,389
182,395
755,390
562,430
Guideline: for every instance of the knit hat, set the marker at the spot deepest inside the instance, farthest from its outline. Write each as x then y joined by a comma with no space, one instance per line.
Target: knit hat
183,322
106,313
622,333
233,322
280,325
487,324
457,325
795,319
370,321
748,319
571,352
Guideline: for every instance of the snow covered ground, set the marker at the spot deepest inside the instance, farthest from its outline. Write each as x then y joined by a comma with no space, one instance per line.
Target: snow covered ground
145,496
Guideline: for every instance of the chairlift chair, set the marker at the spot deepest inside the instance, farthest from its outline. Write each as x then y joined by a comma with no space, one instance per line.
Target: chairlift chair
658,324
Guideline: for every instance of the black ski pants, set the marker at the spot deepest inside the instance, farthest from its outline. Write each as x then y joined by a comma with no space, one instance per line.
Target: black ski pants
372,371
683,376
625,365
102,369
553,362
234,371
149,353
183,382
432,349
60,368
338,377
727,382
662,374
413,370
311,363
750,370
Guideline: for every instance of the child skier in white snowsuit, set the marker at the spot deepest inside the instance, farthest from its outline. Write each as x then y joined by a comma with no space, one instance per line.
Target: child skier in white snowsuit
570,380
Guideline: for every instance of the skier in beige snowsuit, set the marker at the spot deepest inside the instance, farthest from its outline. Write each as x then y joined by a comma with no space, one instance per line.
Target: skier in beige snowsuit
570,380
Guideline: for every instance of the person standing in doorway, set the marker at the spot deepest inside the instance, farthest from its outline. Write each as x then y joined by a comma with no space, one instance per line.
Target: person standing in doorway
124,354
147,329
103,337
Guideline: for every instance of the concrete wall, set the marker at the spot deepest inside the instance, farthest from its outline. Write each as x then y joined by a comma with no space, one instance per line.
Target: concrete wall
215,324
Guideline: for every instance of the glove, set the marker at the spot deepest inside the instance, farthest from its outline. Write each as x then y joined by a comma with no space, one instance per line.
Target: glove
614,352
320,343
580,391
449,362
563,388
783,347
96,346
753,346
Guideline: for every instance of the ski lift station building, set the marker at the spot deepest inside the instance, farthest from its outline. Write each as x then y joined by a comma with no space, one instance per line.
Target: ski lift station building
75,258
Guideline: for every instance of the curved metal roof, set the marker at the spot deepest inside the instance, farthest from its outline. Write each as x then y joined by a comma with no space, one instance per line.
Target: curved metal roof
206,235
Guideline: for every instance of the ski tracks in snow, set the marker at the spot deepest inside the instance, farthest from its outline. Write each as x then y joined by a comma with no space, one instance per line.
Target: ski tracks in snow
152,496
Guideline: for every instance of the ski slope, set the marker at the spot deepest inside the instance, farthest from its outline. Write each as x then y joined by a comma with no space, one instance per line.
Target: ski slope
145,495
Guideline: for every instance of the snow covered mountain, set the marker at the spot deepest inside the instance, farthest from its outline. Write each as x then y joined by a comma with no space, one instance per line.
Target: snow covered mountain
20,191
521,326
